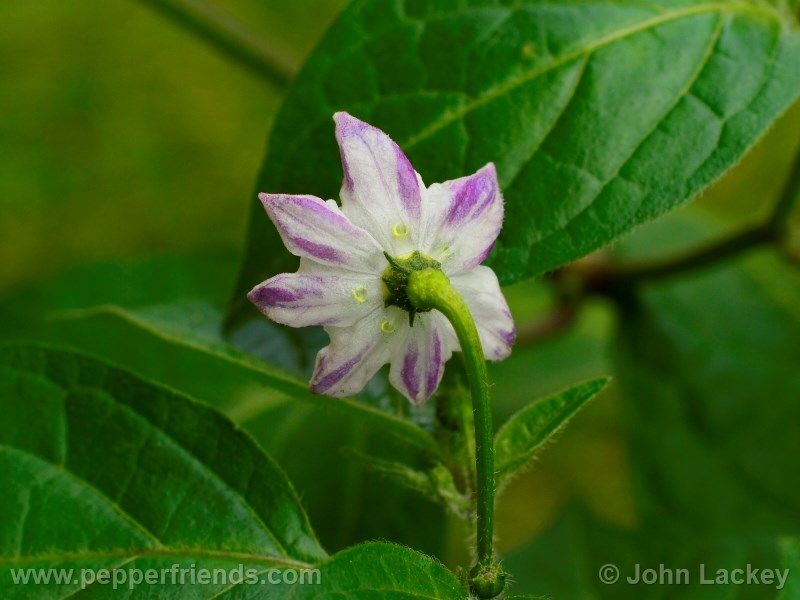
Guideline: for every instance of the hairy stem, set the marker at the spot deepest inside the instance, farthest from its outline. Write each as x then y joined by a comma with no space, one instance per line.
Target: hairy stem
230,38
430,289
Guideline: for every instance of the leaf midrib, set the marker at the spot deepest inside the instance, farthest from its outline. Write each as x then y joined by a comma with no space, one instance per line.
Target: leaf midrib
99,494
560,418
685,90
507,87
126,516
161,551
410,433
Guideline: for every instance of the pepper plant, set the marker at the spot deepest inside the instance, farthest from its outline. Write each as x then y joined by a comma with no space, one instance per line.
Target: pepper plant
478,180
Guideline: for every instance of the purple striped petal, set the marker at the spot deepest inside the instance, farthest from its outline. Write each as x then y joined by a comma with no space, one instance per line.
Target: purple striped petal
356,353
313,296
332,374
464,219
481,292
381,191
315,229
418,366
471,196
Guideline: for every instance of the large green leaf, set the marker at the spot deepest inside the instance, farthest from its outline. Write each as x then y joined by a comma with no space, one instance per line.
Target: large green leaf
103,470
168,337
708,367
173,343
131,283
378,571
197,326
599,115
526,432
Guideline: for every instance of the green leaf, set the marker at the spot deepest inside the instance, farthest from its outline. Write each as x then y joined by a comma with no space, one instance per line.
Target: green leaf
707,366
180,340
526,432
134,282
377,570
435,483
197,326
101,468
599,115
345,500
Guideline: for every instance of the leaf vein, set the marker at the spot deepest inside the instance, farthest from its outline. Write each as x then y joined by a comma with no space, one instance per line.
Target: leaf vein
720,7
714,38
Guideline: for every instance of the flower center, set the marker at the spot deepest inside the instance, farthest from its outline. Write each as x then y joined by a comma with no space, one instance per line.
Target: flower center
395,280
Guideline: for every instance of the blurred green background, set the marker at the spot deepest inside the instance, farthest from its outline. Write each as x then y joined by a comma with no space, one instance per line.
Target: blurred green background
122,134
130,144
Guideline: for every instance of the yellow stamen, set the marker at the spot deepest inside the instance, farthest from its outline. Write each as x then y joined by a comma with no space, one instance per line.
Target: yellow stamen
444,252
400,230
360,294
388,327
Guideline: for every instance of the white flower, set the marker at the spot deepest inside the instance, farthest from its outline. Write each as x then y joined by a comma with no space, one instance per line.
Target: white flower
385,208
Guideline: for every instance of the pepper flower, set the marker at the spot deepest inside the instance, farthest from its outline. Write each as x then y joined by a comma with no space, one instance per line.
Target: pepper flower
354,260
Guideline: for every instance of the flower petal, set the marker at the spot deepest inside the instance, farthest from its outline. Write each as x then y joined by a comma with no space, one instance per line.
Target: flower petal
418,364
318,295
356,353
315,229
481,292
381,192
464,219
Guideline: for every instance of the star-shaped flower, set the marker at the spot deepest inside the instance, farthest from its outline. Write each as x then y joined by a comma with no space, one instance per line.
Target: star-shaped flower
386,213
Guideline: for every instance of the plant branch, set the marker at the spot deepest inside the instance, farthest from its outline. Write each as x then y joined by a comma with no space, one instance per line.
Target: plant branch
729,247
230,37
556,322
772,231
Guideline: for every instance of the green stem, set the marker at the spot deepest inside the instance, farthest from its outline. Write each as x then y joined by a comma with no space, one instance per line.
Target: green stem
692,261
430,289
230,37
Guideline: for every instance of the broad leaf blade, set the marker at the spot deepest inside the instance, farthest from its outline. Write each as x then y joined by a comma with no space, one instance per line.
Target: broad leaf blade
99,467
599,115
525,433
173,343
103,470
707,365
197,326
133,282
377,571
